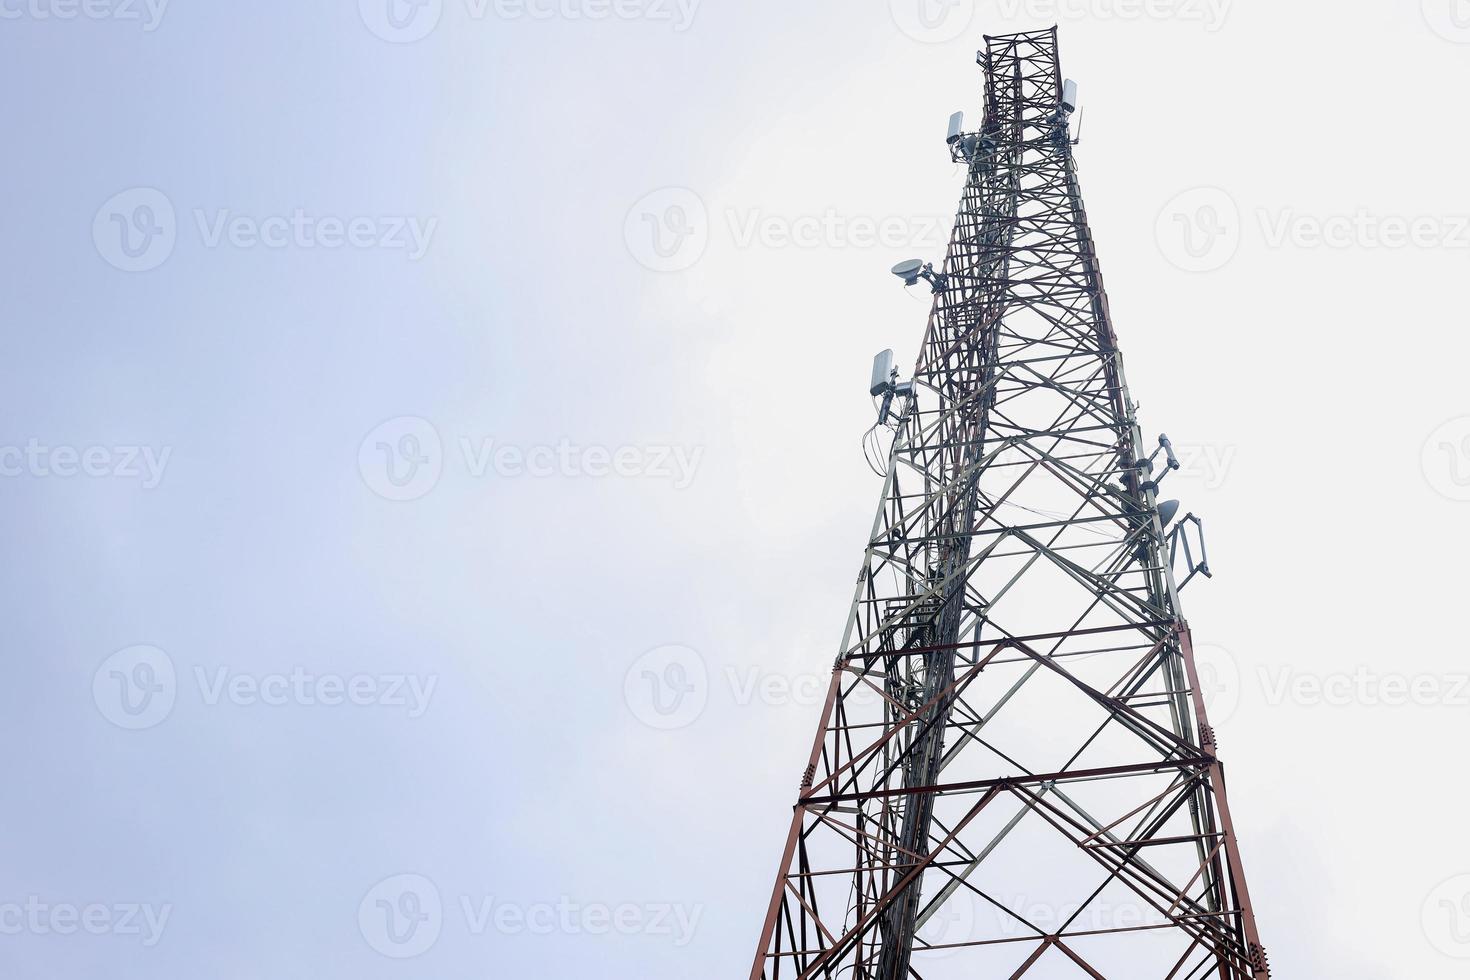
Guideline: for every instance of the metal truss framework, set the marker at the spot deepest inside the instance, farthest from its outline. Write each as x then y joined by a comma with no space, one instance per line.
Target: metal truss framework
1014,774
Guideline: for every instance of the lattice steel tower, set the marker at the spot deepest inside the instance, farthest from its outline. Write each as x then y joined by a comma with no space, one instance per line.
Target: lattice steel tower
1014,774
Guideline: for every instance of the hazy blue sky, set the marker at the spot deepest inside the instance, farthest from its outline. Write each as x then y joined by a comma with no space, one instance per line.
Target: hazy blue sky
376,412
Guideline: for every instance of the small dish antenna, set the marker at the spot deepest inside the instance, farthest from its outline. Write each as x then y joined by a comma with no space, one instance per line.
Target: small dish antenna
909,271
913,270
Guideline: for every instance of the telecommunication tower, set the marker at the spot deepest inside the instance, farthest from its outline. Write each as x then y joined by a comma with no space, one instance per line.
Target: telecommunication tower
1014,774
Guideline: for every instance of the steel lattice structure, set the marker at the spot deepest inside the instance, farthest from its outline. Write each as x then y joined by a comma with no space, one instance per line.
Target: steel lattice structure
1014,774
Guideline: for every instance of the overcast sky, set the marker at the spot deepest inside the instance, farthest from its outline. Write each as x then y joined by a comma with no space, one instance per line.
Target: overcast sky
430,465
